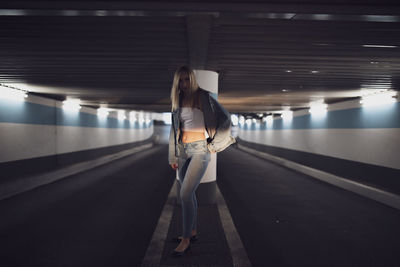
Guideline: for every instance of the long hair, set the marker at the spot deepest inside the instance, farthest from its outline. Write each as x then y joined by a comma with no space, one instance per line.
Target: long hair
175,92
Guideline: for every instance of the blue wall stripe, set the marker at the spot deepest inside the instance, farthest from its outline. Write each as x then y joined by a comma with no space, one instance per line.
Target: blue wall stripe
14,111
384,116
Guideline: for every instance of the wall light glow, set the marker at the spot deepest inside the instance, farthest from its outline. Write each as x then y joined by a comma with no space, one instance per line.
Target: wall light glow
318,109
148,118
72,104
141,117
287,114
103,112
269,119
132,116
234,119
241,120
167,118
9,93
248,122
379,99
121,115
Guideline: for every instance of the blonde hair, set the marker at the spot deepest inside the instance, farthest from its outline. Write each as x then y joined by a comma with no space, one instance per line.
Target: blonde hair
175,86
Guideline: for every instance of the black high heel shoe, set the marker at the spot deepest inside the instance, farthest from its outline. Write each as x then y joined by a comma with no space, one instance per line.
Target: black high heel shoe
194,238
175,253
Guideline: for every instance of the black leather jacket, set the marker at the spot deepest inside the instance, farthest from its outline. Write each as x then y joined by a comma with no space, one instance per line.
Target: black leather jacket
217,123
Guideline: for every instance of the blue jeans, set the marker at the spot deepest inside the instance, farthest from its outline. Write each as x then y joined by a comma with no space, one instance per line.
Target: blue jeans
192,164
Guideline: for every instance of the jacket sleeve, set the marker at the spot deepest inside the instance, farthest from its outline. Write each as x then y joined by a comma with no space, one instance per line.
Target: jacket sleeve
171,147
222,137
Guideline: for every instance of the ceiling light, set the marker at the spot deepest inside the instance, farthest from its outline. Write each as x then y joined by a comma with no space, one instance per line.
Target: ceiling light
101,12
380,18
12,12
379,99
320,44
314,71
321,16
380,46
289,71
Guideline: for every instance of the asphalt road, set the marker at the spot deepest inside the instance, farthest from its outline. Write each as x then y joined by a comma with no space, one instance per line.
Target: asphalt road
102,217
285,218
106,216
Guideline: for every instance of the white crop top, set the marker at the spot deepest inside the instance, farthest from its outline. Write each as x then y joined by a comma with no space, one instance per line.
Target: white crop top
192,120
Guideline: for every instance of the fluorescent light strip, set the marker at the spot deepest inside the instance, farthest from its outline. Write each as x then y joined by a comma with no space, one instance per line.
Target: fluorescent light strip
380,46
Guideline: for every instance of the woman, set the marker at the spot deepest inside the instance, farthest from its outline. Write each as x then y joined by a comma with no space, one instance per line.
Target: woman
195,113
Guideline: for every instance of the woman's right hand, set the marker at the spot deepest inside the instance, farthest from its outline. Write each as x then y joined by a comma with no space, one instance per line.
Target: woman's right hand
174,166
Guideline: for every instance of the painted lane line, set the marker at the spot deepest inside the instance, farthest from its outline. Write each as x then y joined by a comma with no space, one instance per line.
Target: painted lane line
154,251
156,246
238,253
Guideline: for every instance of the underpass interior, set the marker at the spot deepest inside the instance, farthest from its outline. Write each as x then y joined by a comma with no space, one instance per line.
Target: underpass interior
85,118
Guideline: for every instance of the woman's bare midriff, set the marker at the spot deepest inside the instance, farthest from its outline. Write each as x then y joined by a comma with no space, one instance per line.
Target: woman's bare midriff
188,137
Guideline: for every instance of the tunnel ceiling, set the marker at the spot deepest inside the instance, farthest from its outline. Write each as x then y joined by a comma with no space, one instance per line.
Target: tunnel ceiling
268,55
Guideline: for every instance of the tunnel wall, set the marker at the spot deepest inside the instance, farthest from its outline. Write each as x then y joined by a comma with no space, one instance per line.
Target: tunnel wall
352,141
38,134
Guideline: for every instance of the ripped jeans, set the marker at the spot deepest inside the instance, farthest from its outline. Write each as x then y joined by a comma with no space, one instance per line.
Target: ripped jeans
192,164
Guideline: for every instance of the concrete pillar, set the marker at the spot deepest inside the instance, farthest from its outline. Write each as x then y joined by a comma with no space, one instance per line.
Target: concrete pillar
206,192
